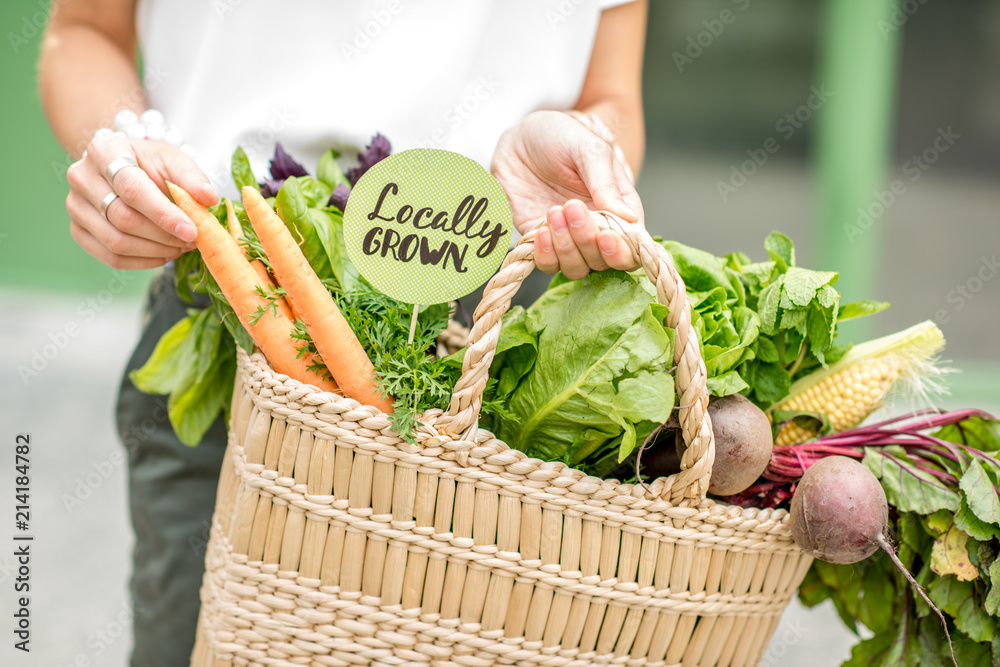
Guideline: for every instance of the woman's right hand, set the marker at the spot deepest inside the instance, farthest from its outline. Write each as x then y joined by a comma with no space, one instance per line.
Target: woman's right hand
143,229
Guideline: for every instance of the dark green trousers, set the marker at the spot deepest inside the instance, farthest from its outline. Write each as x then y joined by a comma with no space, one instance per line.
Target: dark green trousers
171,497
172,492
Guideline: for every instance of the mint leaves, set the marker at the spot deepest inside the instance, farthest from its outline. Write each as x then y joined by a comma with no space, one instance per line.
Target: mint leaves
762,324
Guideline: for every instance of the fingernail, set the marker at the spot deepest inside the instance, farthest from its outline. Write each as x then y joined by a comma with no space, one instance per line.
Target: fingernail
186,232
628,210
576,217
544,242
558,223
608,244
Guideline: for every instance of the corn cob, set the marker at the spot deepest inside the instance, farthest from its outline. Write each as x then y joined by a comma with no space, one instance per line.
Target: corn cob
850,390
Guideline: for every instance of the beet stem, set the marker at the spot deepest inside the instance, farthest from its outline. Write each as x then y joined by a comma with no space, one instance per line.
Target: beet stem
888,548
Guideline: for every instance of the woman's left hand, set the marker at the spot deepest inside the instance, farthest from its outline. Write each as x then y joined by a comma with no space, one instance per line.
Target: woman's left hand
552,166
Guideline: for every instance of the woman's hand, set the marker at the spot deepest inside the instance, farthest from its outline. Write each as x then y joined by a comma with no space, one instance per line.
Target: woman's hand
142,228
552,166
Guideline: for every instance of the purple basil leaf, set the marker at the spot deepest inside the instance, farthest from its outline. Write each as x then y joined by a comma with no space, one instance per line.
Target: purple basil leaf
283,166
270,187
379,148
339,196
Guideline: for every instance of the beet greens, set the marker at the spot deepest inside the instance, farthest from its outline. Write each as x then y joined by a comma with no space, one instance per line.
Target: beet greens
940,475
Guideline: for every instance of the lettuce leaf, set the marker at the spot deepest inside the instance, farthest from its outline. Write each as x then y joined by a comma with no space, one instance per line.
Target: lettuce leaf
585,370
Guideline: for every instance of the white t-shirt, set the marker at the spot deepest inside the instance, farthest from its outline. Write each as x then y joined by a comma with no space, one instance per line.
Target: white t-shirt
315,74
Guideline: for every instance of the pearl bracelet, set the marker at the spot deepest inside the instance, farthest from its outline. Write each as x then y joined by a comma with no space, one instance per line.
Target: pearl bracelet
150,125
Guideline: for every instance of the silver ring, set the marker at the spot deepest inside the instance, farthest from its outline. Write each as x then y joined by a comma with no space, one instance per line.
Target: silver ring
117,165
106,202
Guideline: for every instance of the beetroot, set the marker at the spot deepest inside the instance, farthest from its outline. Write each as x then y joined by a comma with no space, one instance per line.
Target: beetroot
839,514
838,511
743,444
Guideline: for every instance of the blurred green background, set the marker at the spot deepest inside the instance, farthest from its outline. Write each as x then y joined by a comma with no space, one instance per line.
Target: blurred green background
712,101
36,250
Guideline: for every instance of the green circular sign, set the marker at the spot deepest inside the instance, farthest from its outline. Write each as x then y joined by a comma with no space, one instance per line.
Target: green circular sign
427,226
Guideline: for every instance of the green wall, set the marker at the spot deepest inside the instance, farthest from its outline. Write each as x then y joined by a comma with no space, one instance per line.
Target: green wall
36,249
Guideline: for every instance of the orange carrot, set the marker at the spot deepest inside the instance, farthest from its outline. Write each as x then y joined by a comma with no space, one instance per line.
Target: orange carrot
238,282
336,343
236,231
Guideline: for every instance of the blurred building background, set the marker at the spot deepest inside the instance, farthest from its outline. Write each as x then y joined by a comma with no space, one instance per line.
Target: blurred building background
937,244
710,108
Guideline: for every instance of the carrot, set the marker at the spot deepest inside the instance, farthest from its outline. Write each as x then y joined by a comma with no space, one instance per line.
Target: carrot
238,282
336,343
236,231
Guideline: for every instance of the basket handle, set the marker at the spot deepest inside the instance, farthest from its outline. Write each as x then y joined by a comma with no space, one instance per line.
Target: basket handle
689,485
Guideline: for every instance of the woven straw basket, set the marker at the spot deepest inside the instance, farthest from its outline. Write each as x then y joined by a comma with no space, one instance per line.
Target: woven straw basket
336,543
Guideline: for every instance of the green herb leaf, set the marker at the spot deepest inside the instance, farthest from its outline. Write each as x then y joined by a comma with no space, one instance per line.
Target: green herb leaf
770,382
242,173
726,384
780,249
185,269
801,286
329,171
293,208
170,362
194,408
768,306
329,225
855,309
766,350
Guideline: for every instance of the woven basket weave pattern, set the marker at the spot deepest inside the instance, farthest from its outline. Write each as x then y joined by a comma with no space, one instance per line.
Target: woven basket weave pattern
336,543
